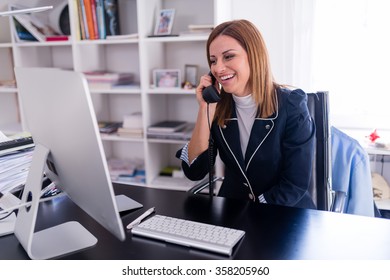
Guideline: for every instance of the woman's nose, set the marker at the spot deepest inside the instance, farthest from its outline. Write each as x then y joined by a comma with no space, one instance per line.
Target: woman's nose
219,67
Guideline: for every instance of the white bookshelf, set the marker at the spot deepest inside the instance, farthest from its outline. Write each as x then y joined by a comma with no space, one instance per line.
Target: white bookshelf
138,55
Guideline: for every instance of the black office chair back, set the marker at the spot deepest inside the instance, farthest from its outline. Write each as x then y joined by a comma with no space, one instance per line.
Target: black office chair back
320,189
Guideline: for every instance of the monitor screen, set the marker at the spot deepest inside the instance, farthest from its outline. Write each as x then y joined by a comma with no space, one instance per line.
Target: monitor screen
58,110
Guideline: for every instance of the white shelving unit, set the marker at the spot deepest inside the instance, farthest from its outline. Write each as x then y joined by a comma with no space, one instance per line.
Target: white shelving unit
140,56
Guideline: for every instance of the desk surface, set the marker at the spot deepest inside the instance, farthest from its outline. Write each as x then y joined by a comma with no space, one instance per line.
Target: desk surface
272,232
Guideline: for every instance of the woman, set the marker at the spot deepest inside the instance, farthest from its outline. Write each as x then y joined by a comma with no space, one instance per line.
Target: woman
262,130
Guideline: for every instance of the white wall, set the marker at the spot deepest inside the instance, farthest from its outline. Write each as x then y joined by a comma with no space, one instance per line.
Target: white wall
270,17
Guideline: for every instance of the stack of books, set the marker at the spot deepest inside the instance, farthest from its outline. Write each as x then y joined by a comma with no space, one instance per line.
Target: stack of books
126,170
14,164
97,18
197,29
175,130
132,126
108,80
107,127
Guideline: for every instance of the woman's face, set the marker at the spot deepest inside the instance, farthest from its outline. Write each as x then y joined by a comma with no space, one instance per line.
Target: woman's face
229,65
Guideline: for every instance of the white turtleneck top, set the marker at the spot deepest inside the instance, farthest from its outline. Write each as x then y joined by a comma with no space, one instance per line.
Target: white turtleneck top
246,110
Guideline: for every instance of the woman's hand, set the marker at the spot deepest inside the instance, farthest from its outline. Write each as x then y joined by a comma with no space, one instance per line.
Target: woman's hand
204,82
200,136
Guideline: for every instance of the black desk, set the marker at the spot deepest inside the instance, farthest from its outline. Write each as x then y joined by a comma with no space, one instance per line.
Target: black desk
272,232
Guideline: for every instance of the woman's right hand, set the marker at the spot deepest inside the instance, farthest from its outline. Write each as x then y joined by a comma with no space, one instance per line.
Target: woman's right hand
204,82
200,135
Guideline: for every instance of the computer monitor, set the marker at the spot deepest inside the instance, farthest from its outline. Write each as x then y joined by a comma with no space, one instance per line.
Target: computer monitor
59,113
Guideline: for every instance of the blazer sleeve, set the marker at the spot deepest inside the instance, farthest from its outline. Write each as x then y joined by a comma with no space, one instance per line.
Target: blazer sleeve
298,152
198,169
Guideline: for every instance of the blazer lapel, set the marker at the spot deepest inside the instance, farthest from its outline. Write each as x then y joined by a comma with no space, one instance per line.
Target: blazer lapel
260,130
232,139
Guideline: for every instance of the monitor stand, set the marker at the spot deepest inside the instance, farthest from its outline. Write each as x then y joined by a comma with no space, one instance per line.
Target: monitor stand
7,225
125,203
52,242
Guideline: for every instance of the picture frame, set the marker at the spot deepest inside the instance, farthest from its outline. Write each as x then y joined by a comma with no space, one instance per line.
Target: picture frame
164,22
191,74
167,78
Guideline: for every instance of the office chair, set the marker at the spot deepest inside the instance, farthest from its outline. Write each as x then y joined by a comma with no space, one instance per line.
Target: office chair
320,189
320,180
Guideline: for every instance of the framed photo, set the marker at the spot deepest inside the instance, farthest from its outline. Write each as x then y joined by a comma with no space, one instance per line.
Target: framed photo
164,22
191,74
166,78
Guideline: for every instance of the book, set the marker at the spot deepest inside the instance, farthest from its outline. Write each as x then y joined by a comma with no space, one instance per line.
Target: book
55,38
138,177
202,27
169,170
78,17
126,170
83,20
102,86
94,19
89,19
122,37
184,133
39,30
108,127
111,17
121,167
106,76
167,126
103,80
101,22
197,30
21,33
130,132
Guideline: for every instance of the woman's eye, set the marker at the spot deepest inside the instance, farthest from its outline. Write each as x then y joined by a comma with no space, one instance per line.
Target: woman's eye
229,56
212,61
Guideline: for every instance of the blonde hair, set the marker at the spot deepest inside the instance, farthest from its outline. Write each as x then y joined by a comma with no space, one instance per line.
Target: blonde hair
261,80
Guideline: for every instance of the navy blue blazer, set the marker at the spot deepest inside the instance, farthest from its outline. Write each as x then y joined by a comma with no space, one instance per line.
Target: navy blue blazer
278,160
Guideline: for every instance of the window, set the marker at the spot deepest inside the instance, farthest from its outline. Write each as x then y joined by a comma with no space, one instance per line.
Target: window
351,58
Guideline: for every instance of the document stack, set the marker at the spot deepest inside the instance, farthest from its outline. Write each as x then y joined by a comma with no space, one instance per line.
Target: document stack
173,130
124,171
14,166
108,80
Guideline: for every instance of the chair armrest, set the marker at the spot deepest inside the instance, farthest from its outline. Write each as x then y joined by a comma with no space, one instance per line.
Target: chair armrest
201,186
338,201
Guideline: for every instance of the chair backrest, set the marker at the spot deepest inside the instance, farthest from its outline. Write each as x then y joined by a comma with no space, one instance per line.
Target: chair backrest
320,187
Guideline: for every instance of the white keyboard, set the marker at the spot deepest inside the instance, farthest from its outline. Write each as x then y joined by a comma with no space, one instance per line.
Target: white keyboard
188,233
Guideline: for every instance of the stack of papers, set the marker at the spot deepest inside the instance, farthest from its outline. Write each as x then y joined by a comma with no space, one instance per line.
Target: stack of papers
14,170
174,130
107,80
126,170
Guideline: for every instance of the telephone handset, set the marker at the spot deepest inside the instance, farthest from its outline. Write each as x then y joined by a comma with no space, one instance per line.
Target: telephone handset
210,94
